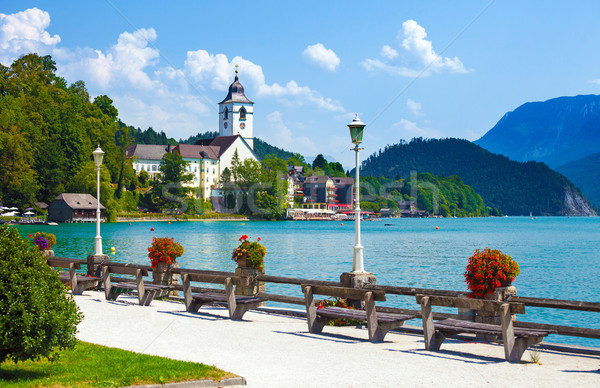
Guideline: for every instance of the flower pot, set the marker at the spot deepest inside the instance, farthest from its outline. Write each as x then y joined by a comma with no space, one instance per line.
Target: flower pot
505,283
161,274
242,261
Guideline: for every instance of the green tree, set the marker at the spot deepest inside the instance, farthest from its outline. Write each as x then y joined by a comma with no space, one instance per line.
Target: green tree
319,162
37,317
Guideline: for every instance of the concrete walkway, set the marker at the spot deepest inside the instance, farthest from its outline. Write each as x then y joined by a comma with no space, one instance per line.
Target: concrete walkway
272,350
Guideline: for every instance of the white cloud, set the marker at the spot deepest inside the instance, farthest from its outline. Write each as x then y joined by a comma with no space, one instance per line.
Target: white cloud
322,56
24,32
202,66
410,129
595,81
417,56
389,52
124,64
414,107
281,135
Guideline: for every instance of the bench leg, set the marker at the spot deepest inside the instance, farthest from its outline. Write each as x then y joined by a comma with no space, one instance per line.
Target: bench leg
318,324
382,329
193,306
241,309
433,338
520,345
113,293
435,341
147,297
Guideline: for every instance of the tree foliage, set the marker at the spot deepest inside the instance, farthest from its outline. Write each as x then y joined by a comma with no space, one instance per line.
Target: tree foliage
37,317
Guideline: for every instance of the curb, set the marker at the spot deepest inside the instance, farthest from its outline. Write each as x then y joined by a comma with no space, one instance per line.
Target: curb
230,382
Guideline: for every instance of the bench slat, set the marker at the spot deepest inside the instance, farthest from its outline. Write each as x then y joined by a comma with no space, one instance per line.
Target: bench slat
360,315
484,328
208,297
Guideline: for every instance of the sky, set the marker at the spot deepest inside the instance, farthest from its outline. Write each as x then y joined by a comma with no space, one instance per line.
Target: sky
431,69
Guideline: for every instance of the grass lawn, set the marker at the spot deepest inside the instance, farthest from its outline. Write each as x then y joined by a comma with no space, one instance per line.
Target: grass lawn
89,365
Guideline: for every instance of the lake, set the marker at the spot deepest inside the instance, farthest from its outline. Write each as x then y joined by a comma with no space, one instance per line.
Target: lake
559,256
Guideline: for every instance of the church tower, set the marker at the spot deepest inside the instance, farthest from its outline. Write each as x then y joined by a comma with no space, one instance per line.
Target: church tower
236,113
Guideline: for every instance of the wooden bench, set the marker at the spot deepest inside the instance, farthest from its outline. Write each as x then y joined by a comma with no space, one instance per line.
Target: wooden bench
79,282
516,340
378,324
146,292
237,305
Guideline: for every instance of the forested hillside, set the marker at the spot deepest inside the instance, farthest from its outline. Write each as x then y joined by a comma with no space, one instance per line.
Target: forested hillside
436,195
585,173
48,130
514,188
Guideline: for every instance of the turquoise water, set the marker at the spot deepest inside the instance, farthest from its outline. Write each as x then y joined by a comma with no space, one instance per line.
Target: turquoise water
559,257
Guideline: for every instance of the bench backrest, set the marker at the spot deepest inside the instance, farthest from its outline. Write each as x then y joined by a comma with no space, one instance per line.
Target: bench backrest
53,262
125,269
218,279
345,292
471,304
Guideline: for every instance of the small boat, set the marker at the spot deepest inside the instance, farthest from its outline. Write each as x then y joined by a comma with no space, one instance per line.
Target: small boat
388,224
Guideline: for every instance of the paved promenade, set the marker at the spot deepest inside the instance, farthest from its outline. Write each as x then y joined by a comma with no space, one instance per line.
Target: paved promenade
272,350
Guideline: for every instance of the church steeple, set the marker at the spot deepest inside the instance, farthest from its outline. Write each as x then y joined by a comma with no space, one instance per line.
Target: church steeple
236,113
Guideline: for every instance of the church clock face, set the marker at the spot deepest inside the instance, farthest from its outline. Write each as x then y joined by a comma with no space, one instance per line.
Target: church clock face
225,125
242,125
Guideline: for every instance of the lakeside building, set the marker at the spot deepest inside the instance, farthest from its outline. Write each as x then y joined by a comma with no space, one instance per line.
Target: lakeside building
70,207
147,157
207,158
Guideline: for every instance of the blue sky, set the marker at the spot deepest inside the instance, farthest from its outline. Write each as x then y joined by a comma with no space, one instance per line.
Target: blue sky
407,68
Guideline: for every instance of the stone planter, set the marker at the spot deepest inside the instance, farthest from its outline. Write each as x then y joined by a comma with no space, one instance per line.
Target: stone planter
47,252
500,294
162,275
255,286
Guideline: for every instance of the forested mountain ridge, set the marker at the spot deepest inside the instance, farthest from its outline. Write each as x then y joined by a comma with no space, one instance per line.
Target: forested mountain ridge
555,131
514,188
585,173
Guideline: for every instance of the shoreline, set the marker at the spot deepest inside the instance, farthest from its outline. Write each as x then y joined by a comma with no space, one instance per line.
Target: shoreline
170,219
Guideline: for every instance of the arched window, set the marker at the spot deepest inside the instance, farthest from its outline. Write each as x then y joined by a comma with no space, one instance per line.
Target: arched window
225,114
242,113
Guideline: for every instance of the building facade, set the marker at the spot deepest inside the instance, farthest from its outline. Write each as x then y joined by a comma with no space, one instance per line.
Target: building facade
69,207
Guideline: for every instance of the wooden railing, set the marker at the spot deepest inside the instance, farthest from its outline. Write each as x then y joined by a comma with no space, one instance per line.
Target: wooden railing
397,290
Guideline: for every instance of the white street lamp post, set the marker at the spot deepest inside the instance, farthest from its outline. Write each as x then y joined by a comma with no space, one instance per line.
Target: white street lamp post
356,132
98,156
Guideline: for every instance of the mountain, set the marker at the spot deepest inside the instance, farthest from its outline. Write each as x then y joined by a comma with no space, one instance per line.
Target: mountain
262,149
555,132
514,188
585,173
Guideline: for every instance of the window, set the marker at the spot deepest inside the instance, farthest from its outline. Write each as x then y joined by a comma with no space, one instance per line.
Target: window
207,170
242,113
213,170
154,167
225,114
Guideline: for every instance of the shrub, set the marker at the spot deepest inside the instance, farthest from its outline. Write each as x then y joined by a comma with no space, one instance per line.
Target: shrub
37,317
489,269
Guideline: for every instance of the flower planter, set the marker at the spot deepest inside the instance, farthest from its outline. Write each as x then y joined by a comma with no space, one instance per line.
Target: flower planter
47,252
162,275
255,286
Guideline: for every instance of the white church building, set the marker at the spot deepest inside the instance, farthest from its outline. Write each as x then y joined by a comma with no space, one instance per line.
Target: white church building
208,157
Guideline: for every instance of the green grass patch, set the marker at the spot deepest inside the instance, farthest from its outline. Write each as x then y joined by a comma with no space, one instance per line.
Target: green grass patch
89,365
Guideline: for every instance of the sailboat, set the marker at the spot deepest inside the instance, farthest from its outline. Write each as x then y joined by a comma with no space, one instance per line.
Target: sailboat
531,216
